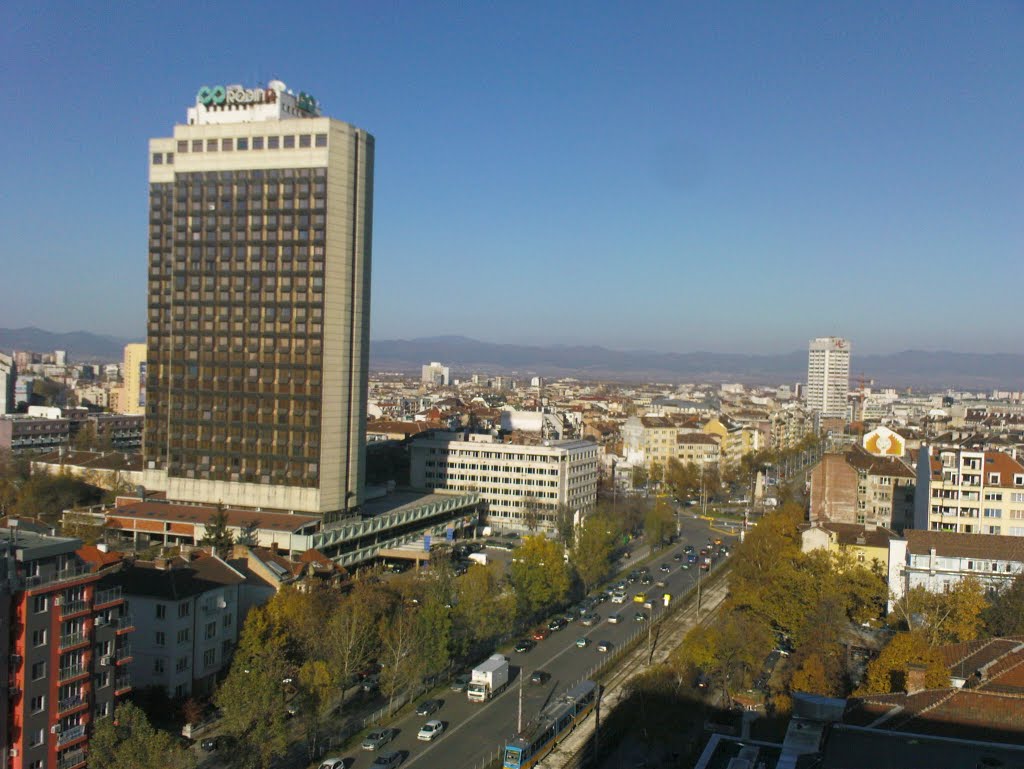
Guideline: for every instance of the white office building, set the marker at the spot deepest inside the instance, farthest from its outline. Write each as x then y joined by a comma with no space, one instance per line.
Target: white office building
435,374
7,375
520,483
828,376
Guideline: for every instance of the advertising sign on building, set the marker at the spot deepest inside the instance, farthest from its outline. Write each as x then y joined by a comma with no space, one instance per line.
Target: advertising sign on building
883,442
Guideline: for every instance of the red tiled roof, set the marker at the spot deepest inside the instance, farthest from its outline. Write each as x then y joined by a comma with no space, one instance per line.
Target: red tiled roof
201,514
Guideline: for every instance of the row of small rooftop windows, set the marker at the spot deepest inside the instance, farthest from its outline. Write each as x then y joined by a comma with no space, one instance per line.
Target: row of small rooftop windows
243,144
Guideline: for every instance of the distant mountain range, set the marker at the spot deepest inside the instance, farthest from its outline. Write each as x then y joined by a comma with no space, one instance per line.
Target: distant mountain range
913,368
81,346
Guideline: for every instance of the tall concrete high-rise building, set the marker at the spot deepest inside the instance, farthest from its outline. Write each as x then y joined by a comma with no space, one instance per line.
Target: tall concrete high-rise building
260,228
134,399
8,373
828,376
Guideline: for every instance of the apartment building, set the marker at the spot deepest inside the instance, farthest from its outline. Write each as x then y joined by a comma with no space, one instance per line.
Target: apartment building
187,620
8,375
134,387
970,492
698,449
789,425
735,439
518,482
649,440
828,376
937,560
861,488
65,630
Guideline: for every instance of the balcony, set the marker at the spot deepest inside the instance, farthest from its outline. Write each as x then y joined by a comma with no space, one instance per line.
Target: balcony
107,597
70,608
71,672
69,704
123,654
70,735
72,759
125,624
72,639
122,684
65,575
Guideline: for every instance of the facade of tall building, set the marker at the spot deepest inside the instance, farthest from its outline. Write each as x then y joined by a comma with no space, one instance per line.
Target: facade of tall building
435,374
134,400
828,376
7,376
260,226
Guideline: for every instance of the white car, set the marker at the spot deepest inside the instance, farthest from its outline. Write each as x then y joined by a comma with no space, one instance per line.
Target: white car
614,618
430,730
618,597
333,763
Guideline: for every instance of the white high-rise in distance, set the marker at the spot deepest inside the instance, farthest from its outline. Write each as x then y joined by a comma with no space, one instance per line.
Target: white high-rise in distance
828,376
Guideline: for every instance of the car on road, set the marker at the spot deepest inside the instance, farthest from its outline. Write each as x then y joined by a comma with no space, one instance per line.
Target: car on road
618,597
604,646
688,549
460,682
646,579
665,568
614,619
378,738
661,583
540,634
582,642
691,558
333,763
388,760
648,604
430,730
429,706
677,557
540,677
640,616
640,597
524,645
590,619
210,744
557,624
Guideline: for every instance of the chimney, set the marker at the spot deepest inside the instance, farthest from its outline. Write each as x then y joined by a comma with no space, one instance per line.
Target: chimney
915,678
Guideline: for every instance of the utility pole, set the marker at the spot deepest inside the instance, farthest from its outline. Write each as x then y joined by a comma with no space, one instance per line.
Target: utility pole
519,720
699,570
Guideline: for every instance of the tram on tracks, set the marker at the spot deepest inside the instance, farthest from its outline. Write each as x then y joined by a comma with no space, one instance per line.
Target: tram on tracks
553,725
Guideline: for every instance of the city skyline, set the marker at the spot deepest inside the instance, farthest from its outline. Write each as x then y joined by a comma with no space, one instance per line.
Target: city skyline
737,180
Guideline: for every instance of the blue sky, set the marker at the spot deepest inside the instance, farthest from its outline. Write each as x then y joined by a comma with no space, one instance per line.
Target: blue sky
667,176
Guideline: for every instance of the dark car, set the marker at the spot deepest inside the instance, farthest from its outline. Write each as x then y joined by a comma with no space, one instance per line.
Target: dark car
540,677
557,624
460,682
388,760
524,645
665,568
604,646
429,706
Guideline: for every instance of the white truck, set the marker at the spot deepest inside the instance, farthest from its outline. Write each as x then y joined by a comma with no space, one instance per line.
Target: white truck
480,558
488,679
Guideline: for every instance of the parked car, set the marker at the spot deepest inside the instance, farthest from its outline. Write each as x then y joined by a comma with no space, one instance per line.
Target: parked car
582,642
430,730
604,646
640,616
388,760
665,568
540,634
540,677
590,619
370,683
429,706
524,645
460,682
614,619
333,763
378,738
557,624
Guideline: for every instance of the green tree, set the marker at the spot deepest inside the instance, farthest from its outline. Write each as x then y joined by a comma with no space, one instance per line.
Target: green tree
728,652
888,672
349,636
400,654
659,523
640,477
83,527
539,574
48,495
218,536
684,480
434,630
1004,615
954,616
591,552
530,513
128,741
85,438
484,605
252,697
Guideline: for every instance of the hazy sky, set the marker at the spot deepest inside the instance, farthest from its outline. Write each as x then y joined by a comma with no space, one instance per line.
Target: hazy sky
668,176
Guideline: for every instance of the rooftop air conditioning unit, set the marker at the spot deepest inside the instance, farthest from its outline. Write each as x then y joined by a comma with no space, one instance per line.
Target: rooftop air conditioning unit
12,753
101,621
55,729
57,600
107,660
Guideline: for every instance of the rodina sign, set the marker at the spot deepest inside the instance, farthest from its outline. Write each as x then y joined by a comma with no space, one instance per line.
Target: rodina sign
219,95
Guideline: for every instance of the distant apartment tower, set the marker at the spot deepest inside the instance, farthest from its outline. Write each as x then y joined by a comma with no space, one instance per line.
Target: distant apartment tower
435,374
7,377
134,400
828,376
260,228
